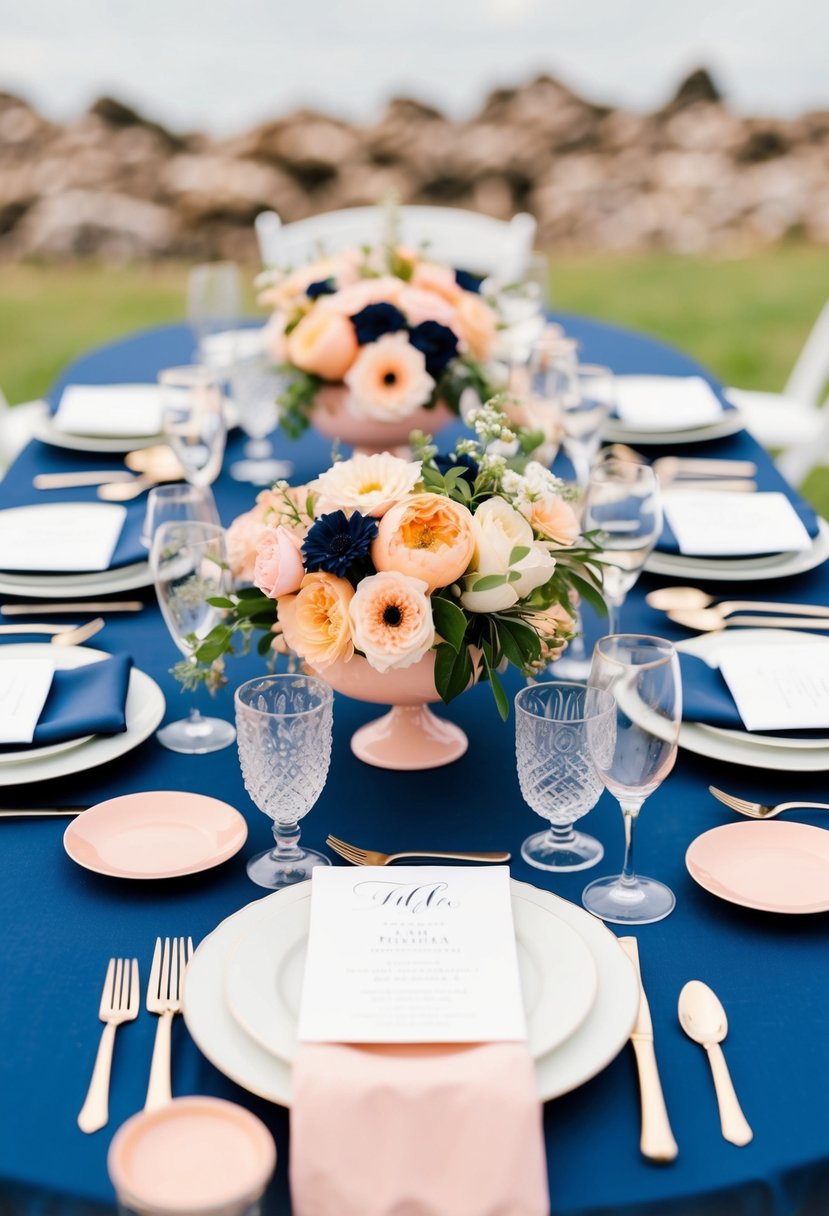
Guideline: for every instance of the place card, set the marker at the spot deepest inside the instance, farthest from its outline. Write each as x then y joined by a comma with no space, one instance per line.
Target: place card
110,410
24,687
779,687
715,523
666,403
414,954
60,537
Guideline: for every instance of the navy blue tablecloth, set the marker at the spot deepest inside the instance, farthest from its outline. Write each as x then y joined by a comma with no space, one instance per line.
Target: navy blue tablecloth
61,924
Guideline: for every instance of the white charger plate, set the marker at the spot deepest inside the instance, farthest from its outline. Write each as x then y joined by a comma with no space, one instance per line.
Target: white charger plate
57,586
741,746
263,979
590,1048
46,431
144,711
742,569
616,431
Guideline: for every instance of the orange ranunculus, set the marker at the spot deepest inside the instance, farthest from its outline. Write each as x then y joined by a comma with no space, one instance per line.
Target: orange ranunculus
427,536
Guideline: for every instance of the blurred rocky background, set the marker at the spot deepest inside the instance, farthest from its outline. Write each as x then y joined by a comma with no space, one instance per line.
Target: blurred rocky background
691,177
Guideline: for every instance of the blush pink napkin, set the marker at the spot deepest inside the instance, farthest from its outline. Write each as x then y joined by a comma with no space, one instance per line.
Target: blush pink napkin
416,1131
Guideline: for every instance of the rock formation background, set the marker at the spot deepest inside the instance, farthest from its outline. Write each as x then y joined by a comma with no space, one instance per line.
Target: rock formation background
691,177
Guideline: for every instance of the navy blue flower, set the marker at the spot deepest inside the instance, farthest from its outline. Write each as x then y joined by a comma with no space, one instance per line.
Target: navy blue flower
467,281
437,342
322,287
445,463
371,322
335,542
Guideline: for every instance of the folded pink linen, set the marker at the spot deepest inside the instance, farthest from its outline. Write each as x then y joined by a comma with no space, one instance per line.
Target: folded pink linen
416,1131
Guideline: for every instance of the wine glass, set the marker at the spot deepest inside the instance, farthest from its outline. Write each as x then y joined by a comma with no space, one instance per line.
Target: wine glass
256,385
558,728
284,730
188,560
643,675
192,413
214,300
586,395
178,502
623,503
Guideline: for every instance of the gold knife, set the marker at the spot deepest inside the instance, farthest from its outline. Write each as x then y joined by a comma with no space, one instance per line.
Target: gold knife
64,812
80,606
657,1141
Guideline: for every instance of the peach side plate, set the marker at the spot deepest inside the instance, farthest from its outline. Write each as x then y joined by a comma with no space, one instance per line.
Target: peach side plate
158,834
773,867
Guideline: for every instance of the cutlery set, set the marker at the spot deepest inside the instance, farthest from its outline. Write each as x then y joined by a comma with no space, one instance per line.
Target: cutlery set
120,1002
59,635
695,473
146,468
703,1019
694,609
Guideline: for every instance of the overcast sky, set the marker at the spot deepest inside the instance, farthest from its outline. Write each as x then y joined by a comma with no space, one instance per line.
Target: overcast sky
224,64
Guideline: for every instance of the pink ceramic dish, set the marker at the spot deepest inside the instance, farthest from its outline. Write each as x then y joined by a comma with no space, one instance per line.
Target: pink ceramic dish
773,867
194,1157
158,834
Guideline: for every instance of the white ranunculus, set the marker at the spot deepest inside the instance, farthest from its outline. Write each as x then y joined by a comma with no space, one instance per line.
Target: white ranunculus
499,530
369,483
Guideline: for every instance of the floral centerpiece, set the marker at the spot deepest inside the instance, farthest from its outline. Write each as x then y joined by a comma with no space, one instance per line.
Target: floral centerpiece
404,581
377,342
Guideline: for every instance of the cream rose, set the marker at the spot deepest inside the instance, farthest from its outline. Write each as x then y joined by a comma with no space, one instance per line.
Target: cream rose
427,536
370,484
391,620
500,530
278,569
315,621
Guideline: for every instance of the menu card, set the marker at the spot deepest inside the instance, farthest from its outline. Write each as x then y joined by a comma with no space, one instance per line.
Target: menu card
666,403
58,537
717,523
24,687
110,410
413,954
779,687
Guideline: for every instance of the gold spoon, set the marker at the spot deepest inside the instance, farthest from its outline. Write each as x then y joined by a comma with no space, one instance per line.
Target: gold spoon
681,599
709,620
703,1019
157,464
150,460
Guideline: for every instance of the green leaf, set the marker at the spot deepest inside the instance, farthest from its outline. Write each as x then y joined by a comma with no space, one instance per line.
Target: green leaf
514,576
501,700
489,582
510,646
219,601
257,607
588,593
453,672
518,554
450,621
264,644
248,593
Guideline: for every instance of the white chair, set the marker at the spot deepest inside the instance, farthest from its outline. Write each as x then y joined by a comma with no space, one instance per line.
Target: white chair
464,239
792,421
17,426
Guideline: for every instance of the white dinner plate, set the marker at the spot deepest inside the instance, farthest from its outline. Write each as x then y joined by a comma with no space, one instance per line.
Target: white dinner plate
616,431
742,569
263,980
589,1049
741,746
58,586
46,431
144,711
39,753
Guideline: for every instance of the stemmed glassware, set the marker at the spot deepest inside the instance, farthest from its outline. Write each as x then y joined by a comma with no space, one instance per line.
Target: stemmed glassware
255,385
559,729
284,730
214,300
586,396
624,504
188,560
643,675
193,421
177,502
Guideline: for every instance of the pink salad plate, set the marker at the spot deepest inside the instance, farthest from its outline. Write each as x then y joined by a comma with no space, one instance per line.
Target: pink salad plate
158,834
773,867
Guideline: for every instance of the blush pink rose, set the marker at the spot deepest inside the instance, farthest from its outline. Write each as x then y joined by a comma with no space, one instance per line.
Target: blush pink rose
438,279
359,295
552,517
323,343
419,305
476,324
243,537
279,569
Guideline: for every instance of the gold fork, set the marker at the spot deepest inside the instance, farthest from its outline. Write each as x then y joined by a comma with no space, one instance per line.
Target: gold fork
164,993
369,857
759,810
120,1000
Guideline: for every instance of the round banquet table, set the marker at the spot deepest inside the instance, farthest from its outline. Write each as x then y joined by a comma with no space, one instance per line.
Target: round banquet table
60,924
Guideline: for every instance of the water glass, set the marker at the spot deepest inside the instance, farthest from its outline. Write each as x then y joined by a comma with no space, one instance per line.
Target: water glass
214,300
193,420
623,503
586,398
284,725
256,385
188,560
177,502
559,729
642,673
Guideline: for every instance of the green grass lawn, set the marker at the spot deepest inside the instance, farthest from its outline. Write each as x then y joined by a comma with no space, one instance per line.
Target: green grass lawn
744,318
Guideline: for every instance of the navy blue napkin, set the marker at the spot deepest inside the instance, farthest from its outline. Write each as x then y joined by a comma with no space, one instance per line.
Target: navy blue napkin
89,700
706,698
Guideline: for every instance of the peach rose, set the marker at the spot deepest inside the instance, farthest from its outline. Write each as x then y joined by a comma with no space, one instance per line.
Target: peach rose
278,569
391,620
290,288
428,536
242,538
353,299
438,279
552,517
315,621
388,379
419,305
323,343
475,323
275,342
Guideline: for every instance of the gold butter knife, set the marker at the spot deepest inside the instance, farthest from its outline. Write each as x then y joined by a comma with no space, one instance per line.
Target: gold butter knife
81,606
657,1141
64,812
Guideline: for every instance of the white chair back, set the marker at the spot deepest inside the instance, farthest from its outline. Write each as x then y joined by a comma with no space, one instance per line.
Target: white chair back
796,463
810,373
464,239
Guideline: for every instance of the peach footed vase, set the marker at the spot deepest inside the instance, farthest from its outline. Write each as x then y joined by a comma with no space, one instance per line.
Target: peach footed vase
333,417
409,736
